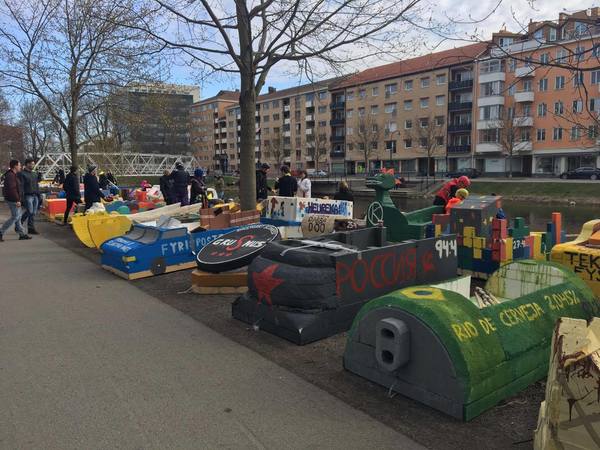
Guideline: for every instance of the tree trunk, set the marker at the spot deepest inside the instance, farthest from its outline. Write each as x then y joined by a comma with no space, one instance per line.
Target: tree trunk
73,147
247,140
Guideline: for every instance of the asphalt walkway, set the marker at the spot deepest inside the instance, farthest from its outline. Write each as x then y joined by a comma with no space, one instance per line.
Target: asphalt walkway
87,360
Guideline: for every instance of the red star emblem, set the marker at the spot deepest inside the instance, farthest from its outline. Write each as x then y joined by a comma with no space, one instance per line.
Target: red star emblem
265,283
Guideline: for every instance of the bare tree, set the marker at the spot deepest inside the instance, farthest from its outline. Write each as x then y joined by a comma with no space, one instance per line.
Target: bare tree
276,147
4,109
317,149
70,53
428,134
250,39
38,127
365,132
513,135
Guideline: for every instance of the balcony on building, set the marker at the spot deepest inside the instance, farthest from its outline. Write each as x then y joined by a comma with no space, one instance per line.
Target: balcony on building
523,146
488,147
523,121
460,84
308,131
286,108
286,121
489,124
460,106
337,121
287,133
337,105
459,127
526,71
217,120
337,154
524,96
308,103
335,138
465,148
492,76
490,100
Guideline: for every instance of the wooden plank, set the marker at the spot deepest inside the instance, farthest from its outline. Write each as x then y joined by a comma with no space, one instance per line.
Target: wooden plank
225,279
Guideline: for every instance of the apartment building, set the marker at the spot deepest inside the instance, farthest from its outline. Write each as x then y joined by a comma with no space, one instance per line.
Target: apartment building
209,129
538,98
397,115
291,127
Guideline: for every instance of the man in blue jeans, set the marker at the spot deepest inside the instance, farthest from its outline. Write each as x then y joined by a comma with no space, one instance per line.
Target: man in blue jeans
31,194
13,194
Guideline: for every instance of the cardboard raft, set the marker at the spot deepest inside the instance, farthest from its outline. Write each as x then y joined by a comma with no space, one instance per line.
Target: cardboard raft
463,355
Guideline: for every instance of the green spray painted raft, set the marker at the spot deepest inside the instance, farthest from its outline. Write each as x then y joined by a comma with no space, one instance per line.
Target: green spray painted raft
463,355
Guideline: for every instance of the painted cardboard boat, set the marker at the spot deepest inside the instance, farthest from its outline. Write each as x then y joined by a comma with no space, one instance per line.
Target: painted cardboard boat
568,417
306,290
287,213
153,250
582,255
462,355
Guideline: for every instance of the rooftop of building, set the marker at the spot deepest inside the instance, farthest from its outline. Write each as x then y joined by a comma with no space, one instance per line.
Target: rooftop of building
224,96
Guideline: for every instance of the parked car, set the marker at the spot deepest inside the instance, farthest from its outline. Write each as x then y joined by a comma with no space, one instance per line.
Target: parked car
320,173
582,173
470,172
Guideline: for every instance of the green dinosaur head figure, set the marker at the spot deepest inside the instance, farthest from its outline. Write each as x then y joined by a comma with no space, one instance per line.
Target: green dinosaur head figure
381,182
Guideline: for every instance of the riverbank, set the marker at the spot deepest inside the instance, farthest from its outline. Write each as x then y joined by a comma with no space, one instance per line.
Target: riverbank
546,192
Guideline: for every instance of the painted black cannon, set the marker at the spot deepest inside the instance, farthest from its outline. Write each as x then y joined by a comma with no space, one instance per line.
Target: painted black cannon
306,290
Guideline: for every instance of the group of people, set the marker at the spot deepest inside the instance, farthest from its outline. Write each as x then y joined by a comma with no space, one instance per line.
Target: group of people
174,186
452,193
21,192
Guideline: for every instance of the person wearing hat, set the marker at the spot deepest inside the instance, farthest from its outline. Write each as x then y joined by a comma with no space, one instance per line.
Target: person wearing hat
262,188
198,189
449,189
461,195
72,192
91,188
286,184
103,180
166,187
181,180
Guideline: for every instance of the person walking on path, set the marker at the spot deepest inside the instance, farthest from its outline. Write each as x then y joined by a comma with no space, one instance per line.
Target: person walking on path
166,187
72,192
31,194
286,184
304,186
449,189
262,188
13,195
220,186
343,192
59,178
91,188
198,189
181,180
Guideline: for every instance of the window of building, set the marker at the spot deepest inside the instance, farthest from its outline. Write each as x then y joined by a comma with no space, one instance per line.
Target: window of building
424,122
350,113
578,106
440,100
559,107
561,55
298,142
407,124
374,145
545,58
407,143
581,28
408,85
557,134
374,109
322,123
505,41
408,105
491,136
579,53
350,95
390,108
439,121
275,103
374,128
491,88
349,131
593,131
265,118
440,79
423,142
512,89
362,93
512,65
309,97
542,109
595,104
349,147
439,140
559,82
322,95
264,106
375,91
491,66
490,112
424,102
391,127
425,82
361,146
322,109
575,133
541,134
361,112
543,85
391,89
552,34
390,146
595,77
527,86
276,116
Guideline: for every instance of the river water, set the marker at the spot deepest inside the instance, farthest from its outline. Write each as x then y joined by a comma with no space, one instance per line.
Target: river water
536,215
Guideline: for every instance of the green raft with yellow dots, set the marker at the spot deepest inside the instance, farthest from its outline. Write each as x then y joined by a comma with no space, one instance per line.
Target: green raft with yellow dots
460,349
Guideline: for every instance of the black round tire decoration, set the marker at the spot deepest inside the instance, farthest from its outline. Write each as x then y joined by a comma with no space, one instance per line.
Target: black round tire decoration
236,249
158,266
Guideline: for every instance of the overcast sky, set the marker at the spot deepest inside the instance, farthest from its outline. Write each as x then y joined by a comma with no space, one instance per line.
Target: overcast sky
470,17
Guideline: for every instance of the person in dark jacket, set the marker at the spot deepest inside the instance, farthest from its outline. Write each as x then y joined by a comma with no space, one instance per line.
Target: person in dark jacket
31,194
286,184
103,181
166,187
181,180
59,178
110,177
198,189
343,192
91,188
72,192
13,195
262,188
